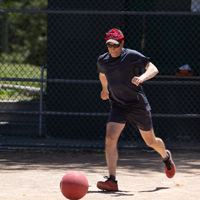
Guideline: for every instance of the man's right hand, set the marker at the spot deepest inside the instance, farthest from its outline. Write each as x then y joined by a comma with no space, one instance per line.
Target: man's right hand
104,95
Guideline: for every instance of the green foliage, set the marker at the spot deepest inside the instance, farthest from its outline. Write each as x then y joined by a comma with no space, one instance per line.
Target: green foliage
27,42
16,94
13,57
7,93
28,31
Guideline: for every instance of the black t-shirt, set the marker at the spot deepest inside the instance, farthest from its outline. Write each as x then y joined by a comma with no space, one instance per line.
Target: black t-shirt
119,73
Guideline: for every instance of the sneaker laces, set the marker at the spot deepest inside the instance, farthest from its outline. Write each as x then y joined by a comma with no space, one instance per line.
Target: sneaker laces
109,179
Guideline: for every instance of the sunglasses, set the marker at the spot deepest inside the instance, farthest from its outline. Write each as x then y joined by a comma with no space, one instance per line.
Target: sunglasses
114,45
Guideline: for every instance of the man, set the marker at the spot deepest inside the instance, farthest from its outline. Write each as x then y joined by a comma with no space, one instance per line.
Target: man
118,73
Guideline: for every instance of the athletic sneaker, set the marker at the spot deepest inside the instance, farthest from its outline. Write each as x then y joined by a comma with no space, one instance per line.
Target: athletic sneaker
170,168
109,185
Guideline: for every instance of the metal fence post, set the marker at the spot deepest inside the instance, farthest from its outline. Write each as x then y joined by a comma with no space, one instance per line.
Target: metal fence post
41,100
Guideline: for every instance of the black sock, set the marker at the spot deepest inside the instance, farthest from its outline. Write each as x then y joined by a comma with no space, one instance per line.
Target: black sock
167,158
112,177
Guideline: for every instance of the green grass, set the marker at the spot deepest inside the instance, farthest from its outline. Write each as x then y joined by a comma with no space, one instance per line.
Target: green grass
12,66
13,70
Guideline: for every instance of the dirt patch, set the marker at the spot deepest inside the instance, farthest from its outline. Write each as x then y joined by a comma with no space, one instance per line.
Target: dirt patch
140,175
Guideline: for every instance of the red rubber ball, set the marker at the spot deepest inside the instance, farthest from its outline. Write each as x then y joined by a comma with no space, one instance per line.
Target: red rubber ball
74,185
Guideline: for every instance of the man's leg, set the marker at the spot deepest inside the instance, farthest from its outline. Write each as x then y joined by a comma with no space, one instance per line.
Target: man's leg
113,131
157,144
112,134
154,142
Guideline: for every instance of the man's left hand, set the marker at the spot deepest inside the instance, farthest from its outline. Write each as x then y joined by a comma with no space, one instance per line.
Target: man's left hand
136,80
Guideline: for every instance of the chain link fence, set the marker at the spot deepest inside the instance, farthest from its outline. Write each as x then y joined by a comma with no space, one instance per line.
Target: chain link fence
49,89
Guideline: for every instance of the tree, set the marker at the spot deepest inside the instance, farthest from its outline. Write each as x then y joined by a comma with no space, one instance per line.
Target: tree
28,31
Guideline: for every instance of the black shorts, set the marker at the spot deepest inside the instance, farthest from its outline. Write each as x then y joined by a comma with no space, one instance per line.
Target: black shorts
139,115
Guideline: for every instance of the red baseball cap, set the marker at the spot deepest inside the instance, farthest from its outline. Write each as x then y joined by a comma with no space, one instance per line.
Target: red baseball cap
114,36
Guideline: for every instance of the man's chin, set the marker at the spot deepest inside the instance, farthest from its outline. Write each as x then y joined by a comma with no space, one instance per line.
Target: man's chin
114,55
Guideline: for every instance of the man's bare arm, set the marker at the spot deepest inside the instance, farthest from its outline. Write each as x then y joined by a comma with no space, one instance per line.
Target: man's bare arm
104,83
151,71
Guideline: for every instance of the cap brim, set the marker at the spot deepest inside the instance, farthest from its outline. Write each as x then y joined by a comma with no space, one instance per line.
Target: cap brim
112,41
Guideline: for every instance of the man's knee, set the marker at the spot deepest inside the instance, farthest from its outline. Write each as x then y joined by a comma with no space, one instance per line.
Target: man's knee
113,132
149,138
110,140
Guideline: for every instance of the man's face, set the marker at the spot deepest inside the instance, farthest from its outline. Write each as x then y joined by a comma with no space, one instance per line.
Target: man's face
115,52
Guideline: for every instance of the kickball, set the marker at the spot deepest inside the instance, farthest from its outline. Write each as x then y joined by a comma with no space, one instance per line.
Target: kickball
74,185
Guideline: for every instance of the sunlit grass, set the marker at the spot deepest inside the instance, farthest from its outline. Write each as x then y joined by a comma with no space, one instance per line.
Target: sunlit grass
19,70
13,70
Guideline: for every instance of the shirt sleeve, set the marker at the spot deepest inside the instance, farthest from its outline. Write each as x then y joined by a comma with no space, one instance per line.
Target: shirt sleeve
139,59
99,67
